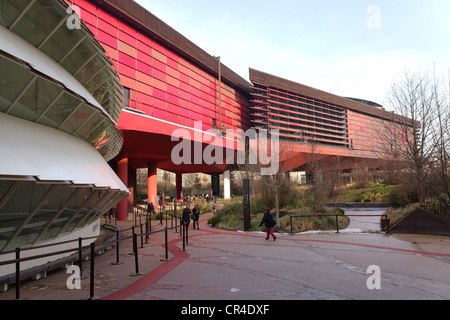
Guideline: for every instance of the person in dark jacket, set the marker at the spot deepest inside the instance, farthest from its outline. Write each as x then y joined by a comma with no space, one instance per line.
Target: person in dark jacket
196,216
269,222
150,208
186,217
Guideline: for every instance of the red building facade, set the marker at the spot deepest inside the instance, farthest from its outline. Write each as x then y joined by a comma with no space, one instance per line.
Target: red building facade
357,131
169,83
160,80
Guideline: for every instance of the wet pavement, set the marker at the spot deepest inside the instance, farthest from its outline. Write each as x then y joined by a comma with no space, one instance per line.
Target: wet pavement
223,265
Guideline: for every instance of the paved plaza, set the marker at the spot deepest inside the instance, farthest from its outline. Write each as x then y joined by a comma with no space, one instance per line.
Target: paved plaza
223,265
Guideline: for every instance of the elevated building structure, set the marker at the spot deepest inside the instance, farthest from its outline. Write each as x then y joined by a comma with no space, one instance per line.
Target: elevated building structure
60,100
92,87
354,130
169,84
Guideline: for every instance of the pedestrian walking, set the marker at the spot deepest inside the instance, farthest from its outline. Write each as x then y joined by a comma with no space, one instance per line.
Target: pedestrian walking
196,216
150,208
269,222
186,216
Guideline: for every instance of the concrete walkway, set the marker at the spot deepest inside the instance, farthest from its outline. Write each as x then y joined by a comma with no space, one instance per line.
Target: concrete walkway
224,265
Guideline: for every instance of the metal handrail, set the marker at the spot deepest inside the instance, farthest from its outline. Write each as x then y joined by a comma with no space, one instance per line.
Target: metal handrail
92,246
337,216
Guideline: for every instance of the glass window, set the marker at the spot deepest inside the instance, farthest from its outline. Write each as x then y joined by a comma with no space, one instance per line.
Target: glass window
77,118
33,228
14,213
126,97
46,213
36,100
76,59
38,22
99,80
99,132
84,130
92,200
61,42
10,10
55,115
71,210
13,79
89,70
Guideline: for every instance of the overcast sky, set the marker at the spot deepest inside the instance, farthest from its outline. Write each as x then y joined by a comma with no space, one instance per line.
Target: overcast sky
353,48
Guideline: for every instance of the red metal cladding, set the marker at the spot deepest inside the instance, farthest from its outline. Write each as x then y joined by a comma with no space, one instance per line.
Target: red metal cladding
174,78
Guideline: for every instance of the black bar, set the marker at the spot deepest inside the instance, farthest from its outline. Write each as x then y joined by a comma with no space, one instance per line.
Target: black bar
92,270
183,226
17,273
337,224
167,245
135,250
80,255
117,248
292,231
150,223
142,238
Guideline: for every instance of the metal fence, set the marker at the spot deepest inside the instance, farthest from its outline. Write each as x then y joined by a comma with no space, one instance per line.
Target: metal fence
384,223
90,250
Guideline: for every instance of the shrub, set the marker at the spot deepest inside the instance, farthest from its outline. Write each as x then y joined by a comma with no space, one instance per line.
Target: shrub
397,197
214,221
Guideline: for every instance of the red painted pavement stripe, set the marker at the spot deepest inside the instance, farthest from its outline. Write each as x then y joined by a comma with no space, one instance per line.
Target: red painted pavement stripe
181,256
343,243
154,276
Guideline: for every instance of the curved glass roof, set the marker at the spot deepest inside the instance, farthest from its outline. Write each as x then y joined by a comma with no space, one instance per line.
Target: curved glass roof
32,90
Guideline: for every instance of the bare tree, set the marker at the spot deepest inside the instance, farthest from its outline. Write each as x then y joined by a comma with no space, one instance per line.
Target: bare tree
279,178
440,186
271,174
409,138
320,185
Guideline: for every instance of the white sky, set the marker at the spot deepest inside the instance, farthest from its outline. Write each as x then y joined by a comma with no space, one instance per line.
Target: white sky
353,48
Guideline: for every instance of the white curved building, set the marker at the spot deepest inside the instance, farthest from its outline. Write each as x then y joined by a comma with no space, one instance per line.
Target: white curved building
60,100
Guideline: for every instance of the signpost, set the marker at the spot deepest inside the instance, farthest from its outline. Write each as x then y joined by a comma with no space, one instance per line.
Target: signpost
246,202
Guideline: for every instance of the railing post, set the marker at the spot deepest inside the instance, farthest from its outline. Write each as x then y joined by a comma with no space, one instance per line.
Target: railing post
150,223
183,226
17,273
133,233
146,231
166,244
135,250
337,224
80,255
142,239
176,224
292,230
117,249
92,270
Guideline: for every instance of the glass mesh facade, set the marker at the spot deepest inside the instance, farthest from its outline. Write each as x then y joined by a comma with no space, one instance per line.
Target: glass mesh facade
298,117
60,100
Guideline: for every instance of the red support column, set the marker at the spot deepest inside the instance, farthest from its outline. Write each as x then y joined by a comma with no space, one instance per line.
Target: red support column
132,199
122,172
153,184
179,185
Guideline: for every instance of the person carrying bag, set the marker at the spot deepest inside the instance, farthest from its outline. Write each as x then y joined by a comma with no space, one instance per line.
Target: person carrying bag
269,222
